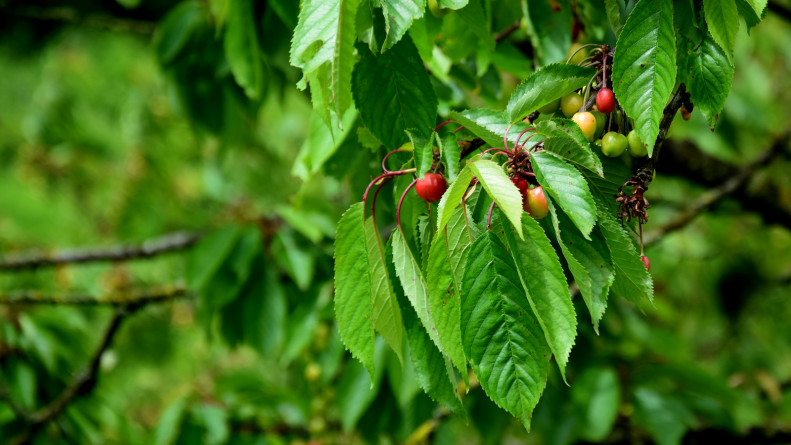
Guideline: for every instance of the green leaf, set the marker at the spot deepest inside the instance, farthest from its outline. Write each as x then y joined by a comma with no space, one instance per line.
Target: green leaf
548,24
423,148
452,197
314,40
399,15
706,72
565,139
614,16
542,278
501,190
443,275
365,25
414,284
343,59
488,125
353,287
597,394
393,93
589,262
544,86
632,280
644,69
665,418
500,333
242,48
205,259
322,142
751,15
357,388
567,187
722,16
176,29
453,4
758,6
450,154
603,190
169,425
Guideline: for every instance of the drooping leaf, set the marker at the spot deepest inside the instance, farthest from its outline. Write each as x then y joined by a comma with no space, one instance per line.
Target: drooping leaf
644,69
603,190
722,16
489,125
452,197
597,393
567,187
322,142
399,15
545,285
706,72
423,147
544,86
500,333
357,388
749,11
548,24
314,40
614,16
343,59
393,93
242,48
176,29
501,189
589,262
450,155
632,280
565,139
365,25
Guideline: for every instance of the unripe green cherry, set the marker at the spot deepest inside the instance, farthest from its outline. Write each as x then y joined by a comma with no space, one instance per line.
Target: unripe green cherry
570,104
636,146
436,10
550,107
601,120
587,123
580,55
613,144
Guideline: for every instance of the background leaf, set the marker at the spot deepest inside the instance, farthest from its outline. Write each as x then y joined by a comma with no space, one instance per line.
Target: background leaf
723,20
242,48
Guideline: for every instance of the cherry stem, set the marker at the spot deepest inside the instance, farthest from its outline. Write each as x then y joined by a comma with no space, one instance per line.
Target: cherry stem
528,138
587,93
604,70
489,218
580,49
497,149
505,137
397,150
383,176
401,201
373,201
461,127
443,124
523,132
640,225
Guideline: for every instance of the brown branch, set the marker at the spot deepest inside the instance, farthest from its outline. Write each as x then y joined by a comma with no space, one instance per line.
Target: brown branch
73,16
502,35
163,244
645,167
734,183
160,295
468,147
82,384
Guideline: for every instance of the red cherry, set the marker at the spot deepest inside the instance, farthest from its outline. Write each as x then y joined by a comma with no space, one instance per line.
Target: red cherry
605,101
431,188
646,262
537,202
523,187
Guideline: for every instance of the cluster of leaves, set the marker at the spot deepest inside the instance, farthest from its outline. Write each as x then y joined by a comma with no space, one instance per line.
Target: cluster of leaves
496,297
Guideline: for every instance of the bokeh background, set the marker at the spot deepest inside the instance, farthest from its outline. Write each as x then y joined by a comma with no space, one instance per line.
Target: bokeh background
121,122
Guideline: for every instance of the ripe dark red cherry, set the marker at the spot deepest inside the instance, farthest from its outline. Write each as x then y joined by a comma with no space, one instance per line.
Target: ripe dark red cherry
646,262
523,187
431,188
605,101
537,202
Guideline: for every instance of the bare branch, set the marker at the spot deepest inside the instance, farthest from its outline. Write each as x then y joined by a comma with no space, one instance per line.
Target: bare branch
159,295
76,17
149,248
502,35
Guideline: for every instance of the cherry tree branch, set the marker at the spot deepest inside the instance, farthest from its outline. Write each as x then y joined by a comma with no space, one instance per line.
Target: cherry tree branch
160,295
76,17
147,249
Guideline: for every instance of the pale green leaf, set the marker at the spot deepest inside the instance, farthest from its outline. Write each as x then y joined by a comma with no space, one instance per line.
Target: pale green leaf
500,333
542,278
644,69
399,15
706,72
567,187
565,139
322,142
544,86
489,125
313,43
722,16
501,189
452,197
423,147
453,4
597,393
393,92
343,59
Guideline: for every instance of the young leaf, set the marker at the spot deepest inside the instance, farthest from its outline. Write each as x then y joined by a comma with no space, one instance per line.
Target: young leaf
423,147
399,15
414,284
706,72
242,49
450,154
722,16
488,125
544,86
393,93
589,262
443,275
501,190
452,197
500,333
632,280
343,58
565,139
644,69
566,186
314,38
545,285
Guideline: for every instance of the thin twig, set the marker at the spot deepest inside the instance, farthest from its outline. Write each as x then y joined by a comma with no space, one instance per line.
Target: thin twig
149,248
502,35
74,16
159,295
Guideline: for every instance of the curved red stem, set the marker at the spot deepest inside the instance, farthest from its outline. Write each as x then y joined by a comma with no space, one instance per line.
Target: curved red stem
505,137
401,201
397,150
443,124
522,133
373,201
461,127
489,218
